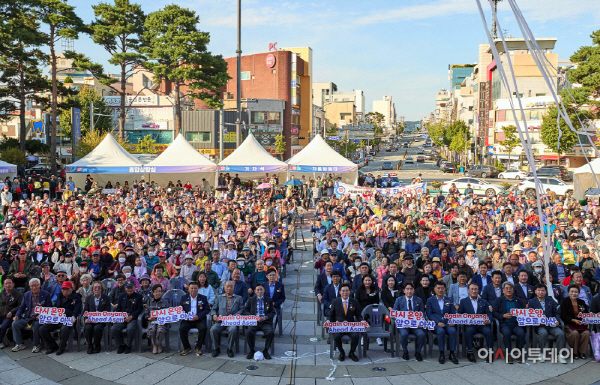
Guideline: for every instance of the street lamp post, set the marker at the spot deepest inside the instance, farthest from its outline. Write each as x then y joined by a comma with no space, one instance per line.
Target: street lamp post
238,129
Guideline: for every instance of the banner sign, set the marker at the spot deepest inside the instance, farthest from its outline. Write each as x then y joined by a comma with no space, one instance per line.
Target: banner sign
411,319
346,327
342,189
323,168
8,170
170,315
239,320
590,318
532,317
466,319
252,168
53,315
140,169
105,316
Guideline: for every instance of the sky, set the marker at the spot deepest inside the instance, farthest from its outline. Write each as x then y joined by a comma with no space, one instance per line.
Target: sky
400,48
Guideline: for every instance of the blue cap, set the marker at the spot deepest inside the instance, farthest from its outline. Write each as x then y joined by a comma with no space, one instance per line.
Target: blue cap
278,234
40,243
129,283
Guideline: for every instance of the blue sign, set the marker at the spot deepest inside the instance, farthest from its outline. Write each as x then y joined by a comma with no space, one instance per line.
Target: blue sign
76,127
356,141
38,127
334,138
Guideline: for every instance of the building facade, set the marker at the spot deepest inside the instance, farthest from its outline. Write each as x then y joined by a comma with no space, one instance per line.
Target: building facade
388,109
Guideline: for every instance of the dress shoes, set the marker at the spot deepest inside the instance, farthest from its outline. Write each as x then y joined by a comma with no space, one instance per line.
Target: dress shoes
442,359
471,357
405,356
353,357
418,357
453,358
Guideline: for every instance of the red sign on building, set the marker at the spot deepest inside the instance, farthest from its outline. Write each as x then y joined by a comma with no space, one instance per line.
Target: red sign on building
271,60
295,130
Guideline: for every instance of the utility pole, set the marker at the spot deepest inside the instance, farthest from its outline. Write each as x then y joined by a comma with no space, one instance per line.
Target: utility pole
494,27
238,128
221,128
91,116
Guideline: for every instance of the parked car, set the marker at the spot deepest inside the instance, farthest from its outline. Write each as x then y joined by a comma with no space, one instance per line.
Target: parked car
421,159
39,169
555,171
409,160
406,144
447,167
390,180
554,184
512,174
389,149
387,166
479,186
483,171
420,150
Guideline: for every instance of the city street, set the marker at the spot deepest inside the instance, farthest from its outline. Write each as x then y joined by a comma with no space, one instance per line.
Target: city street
430,172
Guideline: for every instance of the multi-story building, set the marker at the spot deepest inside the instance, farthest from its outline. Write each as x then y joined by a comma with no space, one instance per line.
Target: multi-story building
340,113
443,106
322,92
320,122
388,109
356,96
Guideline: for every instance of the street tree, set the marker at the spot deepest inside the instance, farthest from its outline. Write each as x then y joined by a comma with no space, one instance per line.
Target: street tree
586,73
550,131
92,139
147,145
14,156
61,23
118,28
83,100
176,52
511,140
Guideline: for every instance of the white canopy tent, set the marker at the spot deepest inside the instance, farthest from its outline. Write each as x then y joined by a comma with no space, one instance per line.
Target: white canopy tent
583,178
318,158
7,170
251,161
109,161
181,161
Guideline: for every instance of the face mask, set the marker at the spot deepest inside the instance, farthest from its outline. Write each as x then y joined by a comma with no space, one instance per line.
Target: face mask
55,228
163,245
171,236
357,264
129,253
538,270
127,275
177,252
122,260
196,239
269,263
241,263
151,253
68,260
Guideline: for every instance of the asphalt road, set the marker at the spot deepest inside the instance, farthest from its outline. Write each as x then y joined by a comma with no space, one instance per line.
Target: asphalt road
428,170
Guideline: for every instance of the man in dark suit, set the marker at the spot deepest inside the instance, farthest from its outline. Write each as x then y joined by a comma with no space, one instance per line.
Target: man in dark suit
357,280
323,280
475,305
275,289
26,315
437,307
262,306
493,291
331,291
482,279
97,302
508,322
131,303
550,308
38,256
409,302
346,309
523,289
71,302
198,305
508,274
595,305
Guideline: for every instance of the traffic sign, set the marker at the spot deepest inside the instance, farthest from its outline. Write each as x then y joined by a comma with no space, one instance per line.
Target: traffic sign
334,138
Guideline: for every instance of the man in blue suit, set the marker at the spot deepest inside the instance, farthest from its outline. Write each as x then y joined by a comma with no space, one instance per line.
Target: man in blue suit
409,302
493,291
331,291
523,289
548,305
508,322
475,305
482,279
198,305
26,315
437,307
274,289
323,280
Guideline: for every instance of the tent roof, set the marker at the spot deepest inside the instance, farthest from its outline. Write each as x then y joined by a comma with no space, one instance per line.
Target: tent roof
6,164
181,153
318,153
586,167
109,153
251,153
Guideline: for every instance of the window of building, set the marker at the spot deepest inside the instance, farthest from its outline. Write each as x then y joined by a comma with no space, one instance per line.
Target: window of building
245,75
540,94
197,136
265,117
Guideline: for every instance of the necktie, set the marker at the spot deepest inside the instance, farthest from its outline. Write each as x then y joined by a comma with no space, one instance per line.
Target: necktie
410,304
345,308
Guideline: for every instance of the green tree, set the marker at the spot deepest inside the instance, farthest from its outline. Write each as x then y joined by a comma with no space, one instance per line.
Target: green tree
61,23
118,29
83,100
511,140
568,138
376,118
21,77
68,80
146,145
32,146
586,73
177,52
14,156
280,144
91,140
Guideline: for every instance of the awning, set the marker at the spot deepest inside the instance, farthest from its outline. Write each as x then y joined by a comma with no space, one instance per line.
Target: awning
505,156
550,157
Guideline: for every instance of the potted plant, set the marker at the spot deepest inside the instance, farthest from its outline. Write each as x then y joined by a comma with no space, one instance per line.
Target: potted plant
436,184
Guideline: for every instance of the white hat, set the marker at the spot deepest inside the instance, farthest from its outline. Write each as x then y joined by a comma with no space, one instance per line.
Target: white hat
470,248
324,251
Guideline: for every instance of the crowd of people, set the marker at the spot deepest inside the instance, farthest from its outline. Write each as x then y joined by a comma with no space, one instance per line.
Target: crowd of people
460,253
132,251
